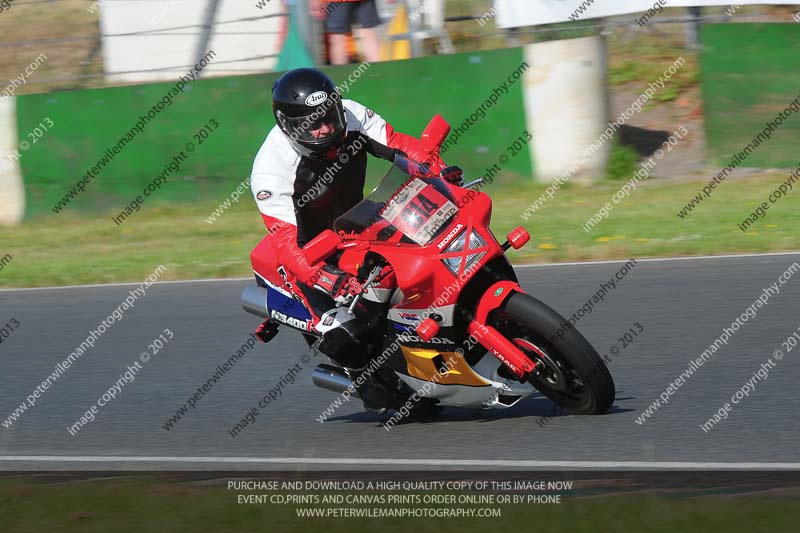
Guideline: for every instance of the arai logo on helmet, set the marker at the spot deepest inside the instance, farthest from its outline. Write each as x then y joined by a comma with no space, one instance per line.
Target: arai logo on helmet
316,98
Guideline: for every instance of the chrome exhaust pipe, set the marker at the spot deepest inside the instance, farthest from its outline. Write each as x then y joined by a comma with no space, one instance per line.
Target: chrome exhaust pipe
254,300
332,378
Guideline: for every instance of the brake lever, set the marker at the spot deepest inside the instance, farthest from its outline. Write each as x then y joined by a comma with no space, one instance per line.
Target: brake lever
364,288
473,183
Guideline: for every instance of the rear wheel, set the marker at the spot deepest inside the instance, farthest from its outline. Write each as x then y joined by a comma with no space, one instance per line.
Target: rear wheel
568,369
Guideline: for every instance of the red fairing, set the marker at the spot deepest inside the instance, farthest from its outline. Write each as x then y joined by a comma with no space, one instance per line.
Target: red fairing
414,149
284,242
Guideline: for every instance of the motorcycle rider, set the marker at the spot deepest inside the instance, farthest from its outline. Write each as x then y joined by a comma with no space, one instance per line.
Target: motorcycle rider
310,170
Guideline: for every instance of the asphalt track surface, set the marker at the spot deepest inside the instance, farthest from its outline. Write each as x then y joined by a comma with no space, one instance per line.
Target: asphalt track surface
682,305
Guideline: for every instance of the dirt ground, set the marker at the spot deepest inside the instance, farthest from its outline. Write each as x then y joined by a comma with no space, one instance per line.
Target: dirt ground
687,159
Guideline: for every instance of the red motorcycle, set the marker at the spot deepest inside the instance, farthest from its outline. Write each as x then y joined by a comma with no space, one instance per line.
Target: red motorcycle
458,330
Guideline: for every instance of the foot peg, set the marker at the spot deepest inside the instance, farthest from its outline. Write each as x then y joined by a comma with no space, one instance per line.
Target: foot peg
266,331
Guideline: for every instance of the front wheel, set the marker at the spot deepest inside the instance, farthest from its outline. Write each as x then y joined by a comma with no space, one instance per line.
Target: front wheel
568,369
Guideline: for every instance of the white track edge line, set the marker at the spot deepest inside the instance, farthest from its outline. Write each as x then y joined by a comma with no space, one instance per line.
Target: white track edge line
405,462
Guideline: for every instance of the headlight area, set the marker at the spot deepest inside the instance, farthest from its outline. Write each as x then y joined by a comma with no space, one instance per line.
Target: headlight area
465,260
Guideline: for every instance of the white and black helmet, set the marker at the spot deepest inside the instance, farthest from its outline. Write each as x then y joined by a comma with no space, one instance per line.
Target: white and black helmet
302,100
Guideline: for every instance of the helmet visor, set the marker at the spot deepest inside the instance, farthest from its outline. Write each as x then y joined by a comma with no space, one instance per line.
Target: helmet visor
316,127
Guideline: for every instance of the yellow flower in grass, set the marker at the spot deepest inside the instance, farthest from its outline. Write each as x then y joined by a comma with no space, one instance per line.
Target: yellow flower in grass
547,246
642,239
772,225
611,238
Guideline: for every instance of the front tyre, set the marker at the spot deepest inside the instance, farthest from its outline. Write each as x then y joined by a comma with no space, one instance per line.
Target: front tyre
568,370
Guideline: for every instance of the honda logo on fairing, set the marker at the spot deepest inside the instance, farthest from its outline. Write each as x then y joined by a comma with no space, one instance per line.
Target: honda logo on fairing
450,237
291,321
316,98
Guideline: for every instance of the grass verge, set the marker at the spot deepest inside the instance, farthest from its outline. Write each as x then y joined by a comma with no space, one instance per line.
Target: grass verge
71,249
137,504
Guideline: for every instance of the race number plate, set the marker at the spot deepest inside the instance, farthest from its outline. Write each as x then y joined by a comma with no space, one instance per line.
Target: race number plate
418,210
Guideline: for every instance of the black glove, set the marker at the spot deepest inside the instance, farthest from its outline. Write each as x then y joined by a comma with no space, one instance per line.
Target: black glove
452,175
340,286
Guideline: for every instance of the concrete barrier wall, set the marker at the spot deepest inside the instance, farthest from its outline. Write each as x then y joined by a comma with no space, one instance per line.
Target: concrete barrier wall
89,124
750,73
567,106
241,31
12,193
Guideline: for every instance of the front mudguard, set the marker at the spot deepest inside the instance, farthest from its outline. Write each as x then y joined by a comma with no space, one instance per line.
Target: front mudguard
491,339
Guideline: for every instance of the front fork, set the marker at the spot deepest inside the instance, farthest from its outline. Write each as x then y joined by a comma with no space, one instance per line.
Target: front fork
506,351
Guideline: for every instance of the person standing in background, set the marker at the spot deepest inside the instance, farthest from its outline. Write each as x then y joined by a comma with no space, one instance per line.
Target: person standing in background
339,16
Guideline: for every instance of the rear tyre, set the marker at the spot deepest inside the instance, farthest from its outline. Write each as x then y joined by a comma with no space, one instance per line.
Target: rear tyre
568,371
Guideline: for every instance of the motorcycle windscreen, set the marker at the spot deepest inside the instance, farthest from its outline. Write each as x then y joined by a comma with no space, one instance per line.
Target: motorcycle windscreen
388,202
419,211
